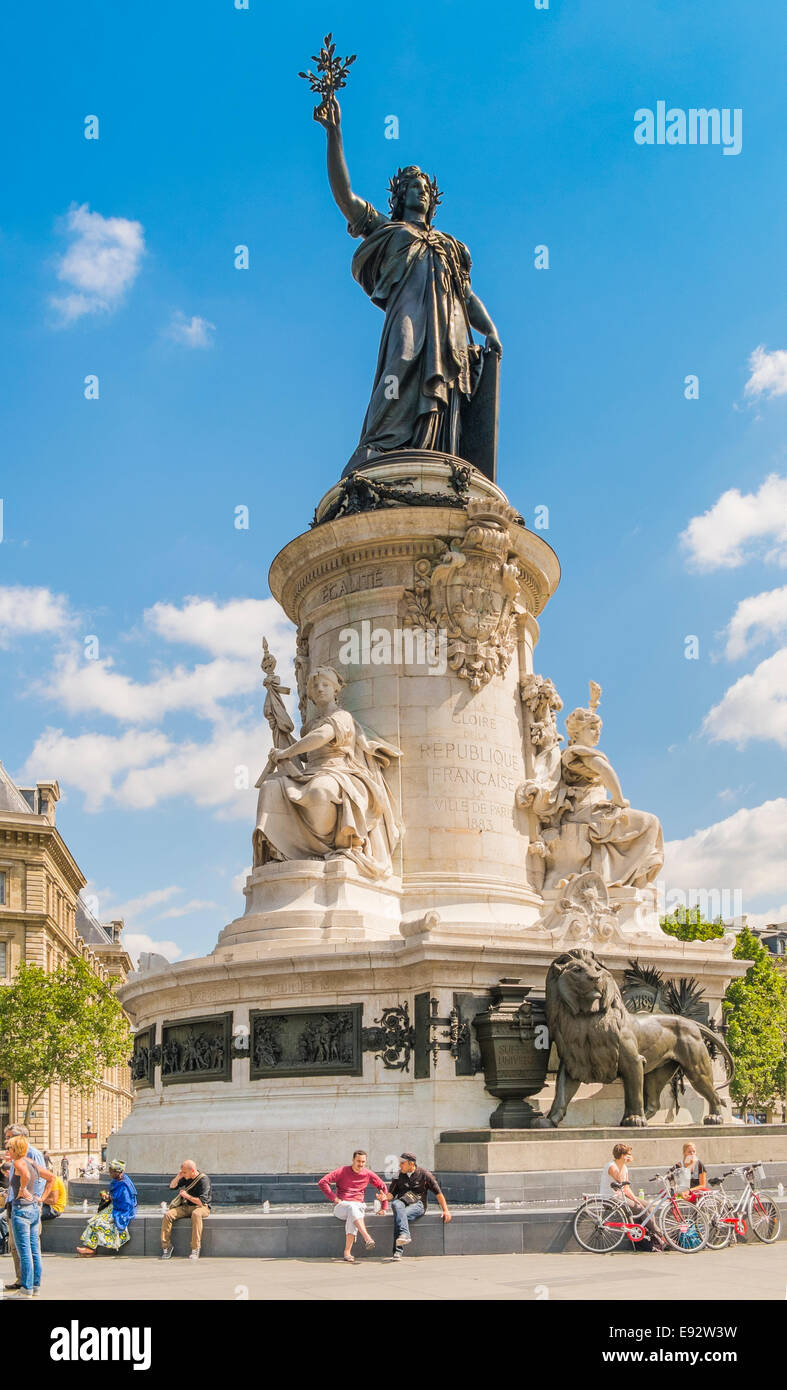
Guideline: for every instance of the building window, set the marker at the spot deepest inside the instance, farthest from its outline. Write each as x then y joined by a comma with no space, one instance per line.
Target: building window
3,898
3,959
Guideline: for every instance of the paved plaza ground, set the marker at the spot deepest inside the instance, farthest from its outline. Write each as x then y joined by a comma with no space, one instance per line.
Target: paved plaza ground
750,1272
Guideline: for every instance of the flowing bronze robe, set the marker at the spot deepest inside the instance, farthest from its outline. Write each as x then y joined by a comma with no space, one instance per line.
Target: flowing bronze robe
420,278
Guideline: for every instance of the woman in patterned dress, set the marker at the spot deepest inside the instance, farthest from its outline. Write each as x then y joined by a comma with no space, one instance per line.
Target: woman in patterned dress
110,1225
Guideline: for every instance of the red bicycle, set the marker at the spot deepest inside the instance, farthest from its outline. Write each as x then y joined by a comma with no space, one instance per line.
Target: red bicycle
730,1217
601,1224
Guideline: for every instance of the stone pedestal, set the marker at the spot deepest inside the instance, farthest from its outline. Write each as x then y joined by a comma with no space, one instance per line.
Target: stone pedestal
375,576
563,1150
408,1087
349,1000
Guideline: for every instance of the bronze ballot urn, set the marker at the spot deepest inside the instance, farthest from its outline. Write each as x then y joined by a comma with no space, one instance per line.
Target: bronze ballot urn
515,1067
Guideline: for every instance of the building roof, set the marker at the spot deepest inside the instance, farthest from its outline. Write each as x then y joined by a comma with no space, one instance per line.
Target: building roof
11,799
89,927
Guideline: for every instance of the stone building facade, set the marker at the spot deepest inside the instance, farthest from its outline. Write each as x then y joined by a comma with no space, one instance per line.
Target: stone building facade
44,921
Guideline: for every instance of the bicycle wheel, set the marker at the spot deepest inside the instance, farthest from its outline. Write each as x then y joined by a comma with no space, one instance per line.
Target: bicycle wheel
764,1218
720,1232
590,1229
685,1226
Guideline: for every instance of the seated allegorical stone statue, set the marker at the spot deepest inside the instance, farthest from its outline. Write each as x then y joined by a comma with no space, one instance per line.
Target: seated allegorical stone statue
586,824
324,796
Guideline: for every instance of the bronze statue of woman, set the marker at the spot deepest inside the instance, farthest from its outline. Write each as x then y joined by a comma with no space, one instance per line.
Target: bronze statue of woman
427,366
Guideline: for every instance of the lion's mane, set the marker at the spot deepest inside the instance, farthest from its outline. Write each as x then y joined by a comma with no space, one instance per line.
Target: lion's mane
588,1042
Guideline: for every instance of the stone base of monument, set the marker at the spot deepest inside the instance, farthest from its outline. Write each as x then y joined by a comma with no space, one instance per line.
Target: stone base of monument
266,1058
313,900
385,984
655,1147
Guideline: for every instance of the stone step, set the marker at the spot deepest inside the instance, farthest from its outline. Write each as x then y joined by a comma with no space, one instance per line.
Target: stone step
498,1151
306,1234
534,1186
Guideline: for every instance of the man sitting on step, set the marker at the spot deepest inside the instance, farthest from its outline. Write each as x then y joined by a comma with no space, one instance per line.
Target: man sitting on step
349,1203
410,1192
192,1200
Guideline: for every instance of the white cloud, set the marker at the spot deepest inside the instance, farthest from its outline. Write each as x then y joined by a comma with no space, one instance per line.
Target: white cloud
90,762
81,686
140,769
739,526
135,908
755,619
100,264
191,333
137,942
239,880
745,852
755,707
230,631
768,373
195,905
27,612
234,628
205,773
767,919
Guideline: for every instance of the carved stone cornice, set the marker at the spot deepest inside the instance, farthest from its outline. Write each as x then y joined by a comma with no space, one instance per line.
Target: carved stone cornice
46,840
397,535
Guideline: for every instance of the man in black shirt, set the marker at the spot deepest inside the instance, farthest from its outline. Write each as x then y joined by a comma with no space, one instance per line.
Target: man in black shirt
410,1192
192,1200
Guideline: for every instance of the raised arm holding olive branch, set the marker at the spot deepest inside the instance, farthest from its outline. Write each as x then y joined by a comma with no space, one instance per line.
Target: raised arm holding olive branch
428,366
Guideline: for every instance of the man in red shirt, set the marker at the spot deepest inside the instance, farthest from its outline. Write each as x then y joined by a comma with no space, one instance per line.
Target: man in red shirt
348,1201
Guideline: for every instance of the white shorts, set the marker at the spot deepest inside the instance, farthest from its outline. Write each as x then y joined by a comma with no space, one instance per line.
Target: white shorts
349,1212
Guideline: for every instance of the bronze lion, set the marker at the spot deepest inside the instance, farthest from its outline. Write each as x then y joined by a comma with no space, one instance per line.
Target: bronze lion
598,1040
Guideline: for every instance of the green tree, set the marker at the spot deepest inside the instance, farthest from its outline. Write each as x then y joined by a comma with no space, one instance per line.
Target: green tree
65,1026
756,1011
688,924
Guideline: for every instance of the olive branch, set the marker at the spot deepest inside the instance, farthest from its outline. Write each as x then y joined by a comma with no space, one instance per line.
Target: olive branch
331,74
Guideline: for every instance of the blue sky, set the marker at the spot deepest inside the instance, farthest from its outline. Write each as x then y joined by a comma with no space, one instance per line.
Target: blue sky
221,388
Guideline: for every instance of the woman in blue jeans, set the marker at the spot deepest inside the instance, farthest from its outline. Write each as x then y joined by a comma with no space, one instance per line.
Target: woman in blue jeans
26,1215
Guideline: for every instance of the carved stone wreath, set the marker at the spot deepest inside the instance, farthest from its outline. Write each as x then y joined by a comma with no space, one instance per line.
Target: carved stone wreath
583,914
471,594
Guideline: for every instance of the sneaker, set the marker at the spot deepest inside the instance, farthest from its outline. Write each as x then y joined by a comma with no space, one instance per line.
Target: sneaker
194,1255
12,1288
398,1255
166,1253
36,1290
404,1240
21,1293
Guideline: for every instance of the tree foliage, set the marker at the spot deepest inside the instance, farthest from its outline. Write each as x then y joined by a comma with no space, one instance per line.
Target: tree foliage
688,924
756,1011
65,1026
